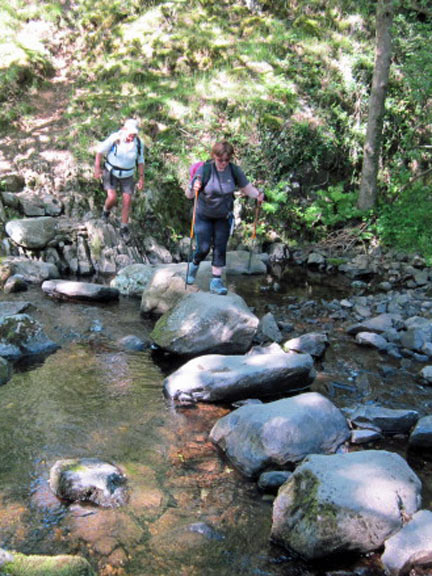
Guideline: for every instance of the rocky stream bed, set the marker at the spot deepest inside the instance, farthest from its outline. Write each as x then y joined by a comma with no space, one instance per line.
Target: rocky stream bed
191,509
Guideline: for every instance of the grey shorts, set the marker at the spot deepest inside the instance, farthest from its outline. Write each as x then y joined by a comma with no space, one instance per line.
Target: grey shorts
111,182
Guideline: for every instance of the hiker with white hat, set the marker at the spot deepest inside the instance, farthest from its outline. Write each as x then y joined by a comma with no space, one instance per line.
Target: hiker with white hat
123,152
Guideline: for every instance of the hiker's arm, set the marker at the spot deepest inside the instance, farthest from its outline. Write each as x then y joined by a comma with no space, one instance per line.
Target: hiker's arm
252,192
97,166
140,184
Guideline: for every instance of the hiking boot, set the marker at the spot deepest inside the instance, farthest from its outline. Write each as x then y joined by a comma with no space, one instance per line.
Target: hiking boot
217,287
193,269
106,215
125,232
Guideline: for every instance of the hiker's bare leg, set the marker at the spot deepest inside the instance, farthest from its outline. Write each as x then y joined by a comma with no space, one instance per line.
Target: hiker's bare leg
126,204
111,200
217,271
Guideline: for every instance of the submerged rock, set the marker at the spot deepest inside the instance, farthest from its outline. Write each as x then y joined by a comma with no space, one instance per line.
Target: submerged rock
89,480
217,378
344,502
280,434
80,290
16,564
132,343
202,323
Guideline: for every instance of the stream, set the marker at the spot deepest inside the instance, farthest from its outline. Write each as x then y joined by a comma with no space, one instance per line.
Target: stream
190,513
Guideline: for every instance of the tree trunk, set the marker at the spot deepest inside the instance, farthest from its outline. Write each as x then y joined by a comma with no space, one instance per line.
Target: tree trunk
371,150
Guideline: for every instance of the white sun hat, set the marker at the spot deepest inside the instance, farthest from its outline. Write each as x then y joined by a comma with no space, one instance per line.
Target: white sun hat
131,126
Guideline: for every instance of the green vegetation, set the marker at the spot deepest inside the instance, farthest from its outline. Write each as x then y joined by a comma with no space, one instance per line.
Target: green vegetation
24,58
47,566
288,86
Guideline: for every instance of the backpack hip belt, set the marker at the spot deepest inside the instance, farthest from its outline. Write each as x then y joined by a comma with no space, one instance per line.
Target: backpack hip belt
119,169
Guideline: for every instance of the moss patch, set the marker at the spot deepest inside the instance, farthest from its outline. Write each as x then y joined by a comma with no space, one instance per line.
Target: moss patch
47,566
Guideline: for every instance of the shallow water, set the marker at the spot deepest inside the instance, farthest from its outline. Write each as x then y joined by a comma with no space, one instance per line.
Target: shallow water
189,512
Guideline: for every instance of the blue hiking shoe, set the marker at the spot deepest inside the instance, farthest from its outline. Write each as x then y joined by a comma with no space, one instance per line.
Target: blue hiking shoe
217,287
193,269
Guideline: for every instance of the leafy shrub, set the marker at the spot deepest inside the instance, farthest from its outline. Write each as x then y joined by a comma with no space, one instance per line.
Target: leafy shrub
407,222
332,207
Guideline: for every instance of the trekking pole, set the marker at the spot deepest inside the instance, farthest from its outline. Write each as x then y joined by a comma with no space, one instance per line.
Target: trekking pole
197,186
257,211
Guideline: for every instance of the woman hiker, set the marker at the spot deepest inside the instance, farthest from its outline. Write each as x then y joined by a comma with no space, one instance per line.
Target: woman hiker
215,182
123,151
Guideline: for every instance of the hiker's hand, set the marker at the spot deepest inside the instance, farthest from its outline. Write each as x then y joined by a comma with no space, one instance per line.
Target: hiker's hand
140,184
197,186
260,197
97,173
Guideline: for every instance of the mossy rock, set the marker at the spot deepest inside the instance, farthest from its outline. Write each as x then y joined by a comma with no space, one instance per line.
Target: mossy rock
22,565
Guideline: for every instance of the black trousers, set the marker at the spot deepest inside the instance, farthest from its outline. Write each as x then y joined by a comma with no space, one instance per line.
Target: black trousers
212,232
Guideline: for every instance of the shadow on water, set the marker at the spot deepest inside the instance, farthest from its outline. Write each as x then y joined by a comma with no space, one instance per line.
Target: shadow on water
189,513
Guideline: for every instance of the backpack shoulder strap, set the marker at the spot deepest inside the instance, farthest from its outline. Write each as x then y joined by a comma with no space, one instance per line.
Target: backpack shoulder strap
206,172
235,173
139,145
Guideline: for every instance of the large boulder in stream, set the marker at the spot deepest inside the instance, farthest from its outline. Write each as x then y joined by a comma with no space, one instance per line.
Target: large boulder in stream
203,323
344,502
279,434
89,480
166,287
32,233
16,564
217,378
21,335
67,289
